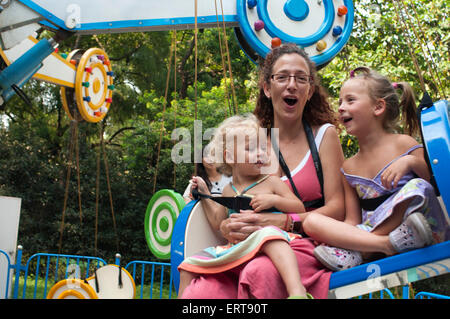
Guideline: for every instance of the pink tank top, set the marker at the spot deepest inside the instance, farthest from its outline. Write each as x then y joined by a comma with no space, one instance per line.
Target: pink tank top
304,175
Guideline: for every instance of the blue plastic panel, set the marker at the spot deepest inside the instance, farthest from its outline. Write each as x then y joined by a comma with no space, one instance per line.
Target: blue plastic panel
391,264
436,134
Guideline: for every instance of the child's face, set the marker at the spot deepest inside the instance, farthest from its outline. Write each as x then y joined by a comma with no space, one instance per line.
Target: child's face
250,155
356,107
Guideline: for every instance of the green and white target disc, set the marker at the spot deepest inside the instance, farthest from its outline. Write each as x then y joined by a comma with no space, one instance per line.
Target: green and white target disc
162,212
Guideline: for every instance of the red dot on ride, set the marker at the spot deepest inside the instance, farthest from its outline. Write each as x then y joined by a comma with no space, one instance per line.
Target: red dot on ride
342,10
276,42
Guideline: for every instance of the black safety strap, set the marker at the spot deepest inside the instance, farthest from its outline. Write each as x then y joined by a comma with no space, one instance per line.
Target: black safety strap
235,203
370,204
317,165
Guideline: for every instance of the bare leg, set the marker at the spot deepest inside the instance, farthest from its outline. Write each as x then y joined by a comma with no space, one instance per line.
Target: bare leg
185,279
339,234
285,261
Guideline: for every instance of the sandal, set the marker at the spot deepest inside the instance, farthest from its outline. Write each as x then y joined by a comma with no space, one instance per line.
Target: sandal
414,232
337,259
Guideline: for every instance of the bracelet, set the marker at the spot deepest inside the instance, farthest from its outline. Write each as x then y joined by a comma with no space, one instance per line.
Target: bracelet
289,223
286,224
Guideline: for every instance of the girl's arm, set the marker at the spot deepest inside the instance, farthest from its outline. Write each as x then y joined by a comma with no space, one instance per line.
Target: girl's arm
414,161
419,165
215,213
282,198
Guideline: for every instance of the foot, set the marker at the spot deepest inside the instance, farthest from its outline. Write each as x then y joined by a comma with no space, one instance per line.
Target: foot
337,259
414,232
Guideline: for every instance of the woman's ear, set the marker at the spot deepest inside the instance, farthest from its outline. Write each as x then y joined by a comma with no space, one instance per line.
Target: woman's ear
266,88
380,107
312,88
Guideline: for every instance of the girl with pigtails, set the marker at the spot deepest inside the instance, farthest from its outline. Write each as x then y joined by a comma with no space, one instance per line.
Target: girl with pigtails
390,205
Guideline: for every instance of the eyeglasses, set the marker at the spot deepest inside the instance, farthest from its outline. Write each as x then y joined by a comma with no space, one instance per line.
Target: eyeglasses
285,78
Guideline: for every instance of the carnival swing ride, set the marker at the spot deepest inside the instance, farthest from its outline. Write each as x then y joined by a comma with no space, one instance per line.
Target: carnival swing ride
174,230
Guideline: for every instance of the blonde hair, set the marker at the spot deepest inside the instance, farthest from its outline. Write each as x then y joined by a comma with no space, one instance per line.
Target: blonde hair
238,126
380,87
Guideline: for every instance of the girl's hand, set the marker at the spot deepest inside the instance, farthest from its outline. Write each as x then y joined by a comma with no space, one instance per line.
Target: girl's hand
198,182
394,172
261,202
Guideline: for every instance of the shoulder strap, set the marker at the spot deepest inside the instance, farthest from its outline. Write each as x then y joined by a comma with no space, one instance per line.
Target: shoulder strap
317,164
314,153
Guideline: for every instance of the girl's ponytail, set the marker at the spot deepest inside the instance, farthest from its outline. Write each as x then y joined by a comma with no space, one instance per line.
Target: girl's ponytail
380,87
408,107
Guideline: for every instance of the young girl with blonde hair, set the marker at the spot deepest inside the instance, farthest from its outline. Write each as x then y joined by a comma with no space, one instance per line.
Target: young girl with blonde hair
239,151
390,205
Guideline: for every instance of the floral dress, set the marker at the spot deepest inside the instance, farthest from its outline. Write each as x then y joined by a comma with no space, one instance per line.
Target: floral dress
420,193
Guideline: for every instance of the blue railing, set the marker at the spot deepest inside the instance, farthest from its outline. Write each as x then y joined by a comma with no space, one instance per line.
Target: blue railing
139,271
43,270
58,267
430,295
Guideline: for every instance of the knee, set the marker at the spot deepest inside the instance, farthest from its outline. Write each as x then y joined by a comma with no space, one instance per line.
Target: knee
311,224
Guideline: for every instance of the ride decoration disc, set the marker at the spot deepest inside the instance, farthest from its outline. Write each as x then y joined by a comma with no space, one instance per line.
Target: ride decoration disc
109,286
72,289
94,85
321,27
68,94
162,212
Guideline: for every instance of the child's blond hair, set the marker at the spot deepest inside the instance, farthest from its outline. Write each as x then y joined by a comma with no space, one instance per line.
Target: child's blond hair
233,128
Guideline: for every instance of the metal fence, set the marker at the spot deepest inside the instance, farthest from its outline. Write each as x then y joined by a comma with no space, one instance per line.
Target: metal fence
41,271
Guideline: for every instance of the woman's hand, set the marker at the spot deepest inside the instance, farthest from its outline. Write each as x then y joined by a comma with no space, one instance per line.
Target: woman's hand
238,227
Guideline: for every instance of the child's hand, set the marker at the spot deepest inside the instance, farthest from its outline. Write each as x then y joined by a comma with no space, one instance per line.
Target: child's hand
261,202
394,172
198,182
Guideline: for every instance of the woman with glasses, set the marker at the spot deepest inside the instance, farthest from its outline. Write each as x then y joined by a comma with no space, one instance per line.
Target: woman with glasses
293,104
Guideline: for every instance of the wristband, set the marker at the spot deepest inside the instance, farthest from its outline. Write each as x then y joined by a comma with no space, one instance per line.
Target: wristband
287,226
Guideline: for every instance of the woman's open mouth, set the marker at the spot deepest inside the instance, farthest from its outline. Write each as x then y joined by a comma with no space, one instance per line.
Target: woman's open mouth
291,101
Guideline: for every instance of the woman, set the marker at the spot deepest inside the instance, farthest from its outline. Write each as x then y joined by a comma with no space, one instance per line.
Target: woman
289,93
